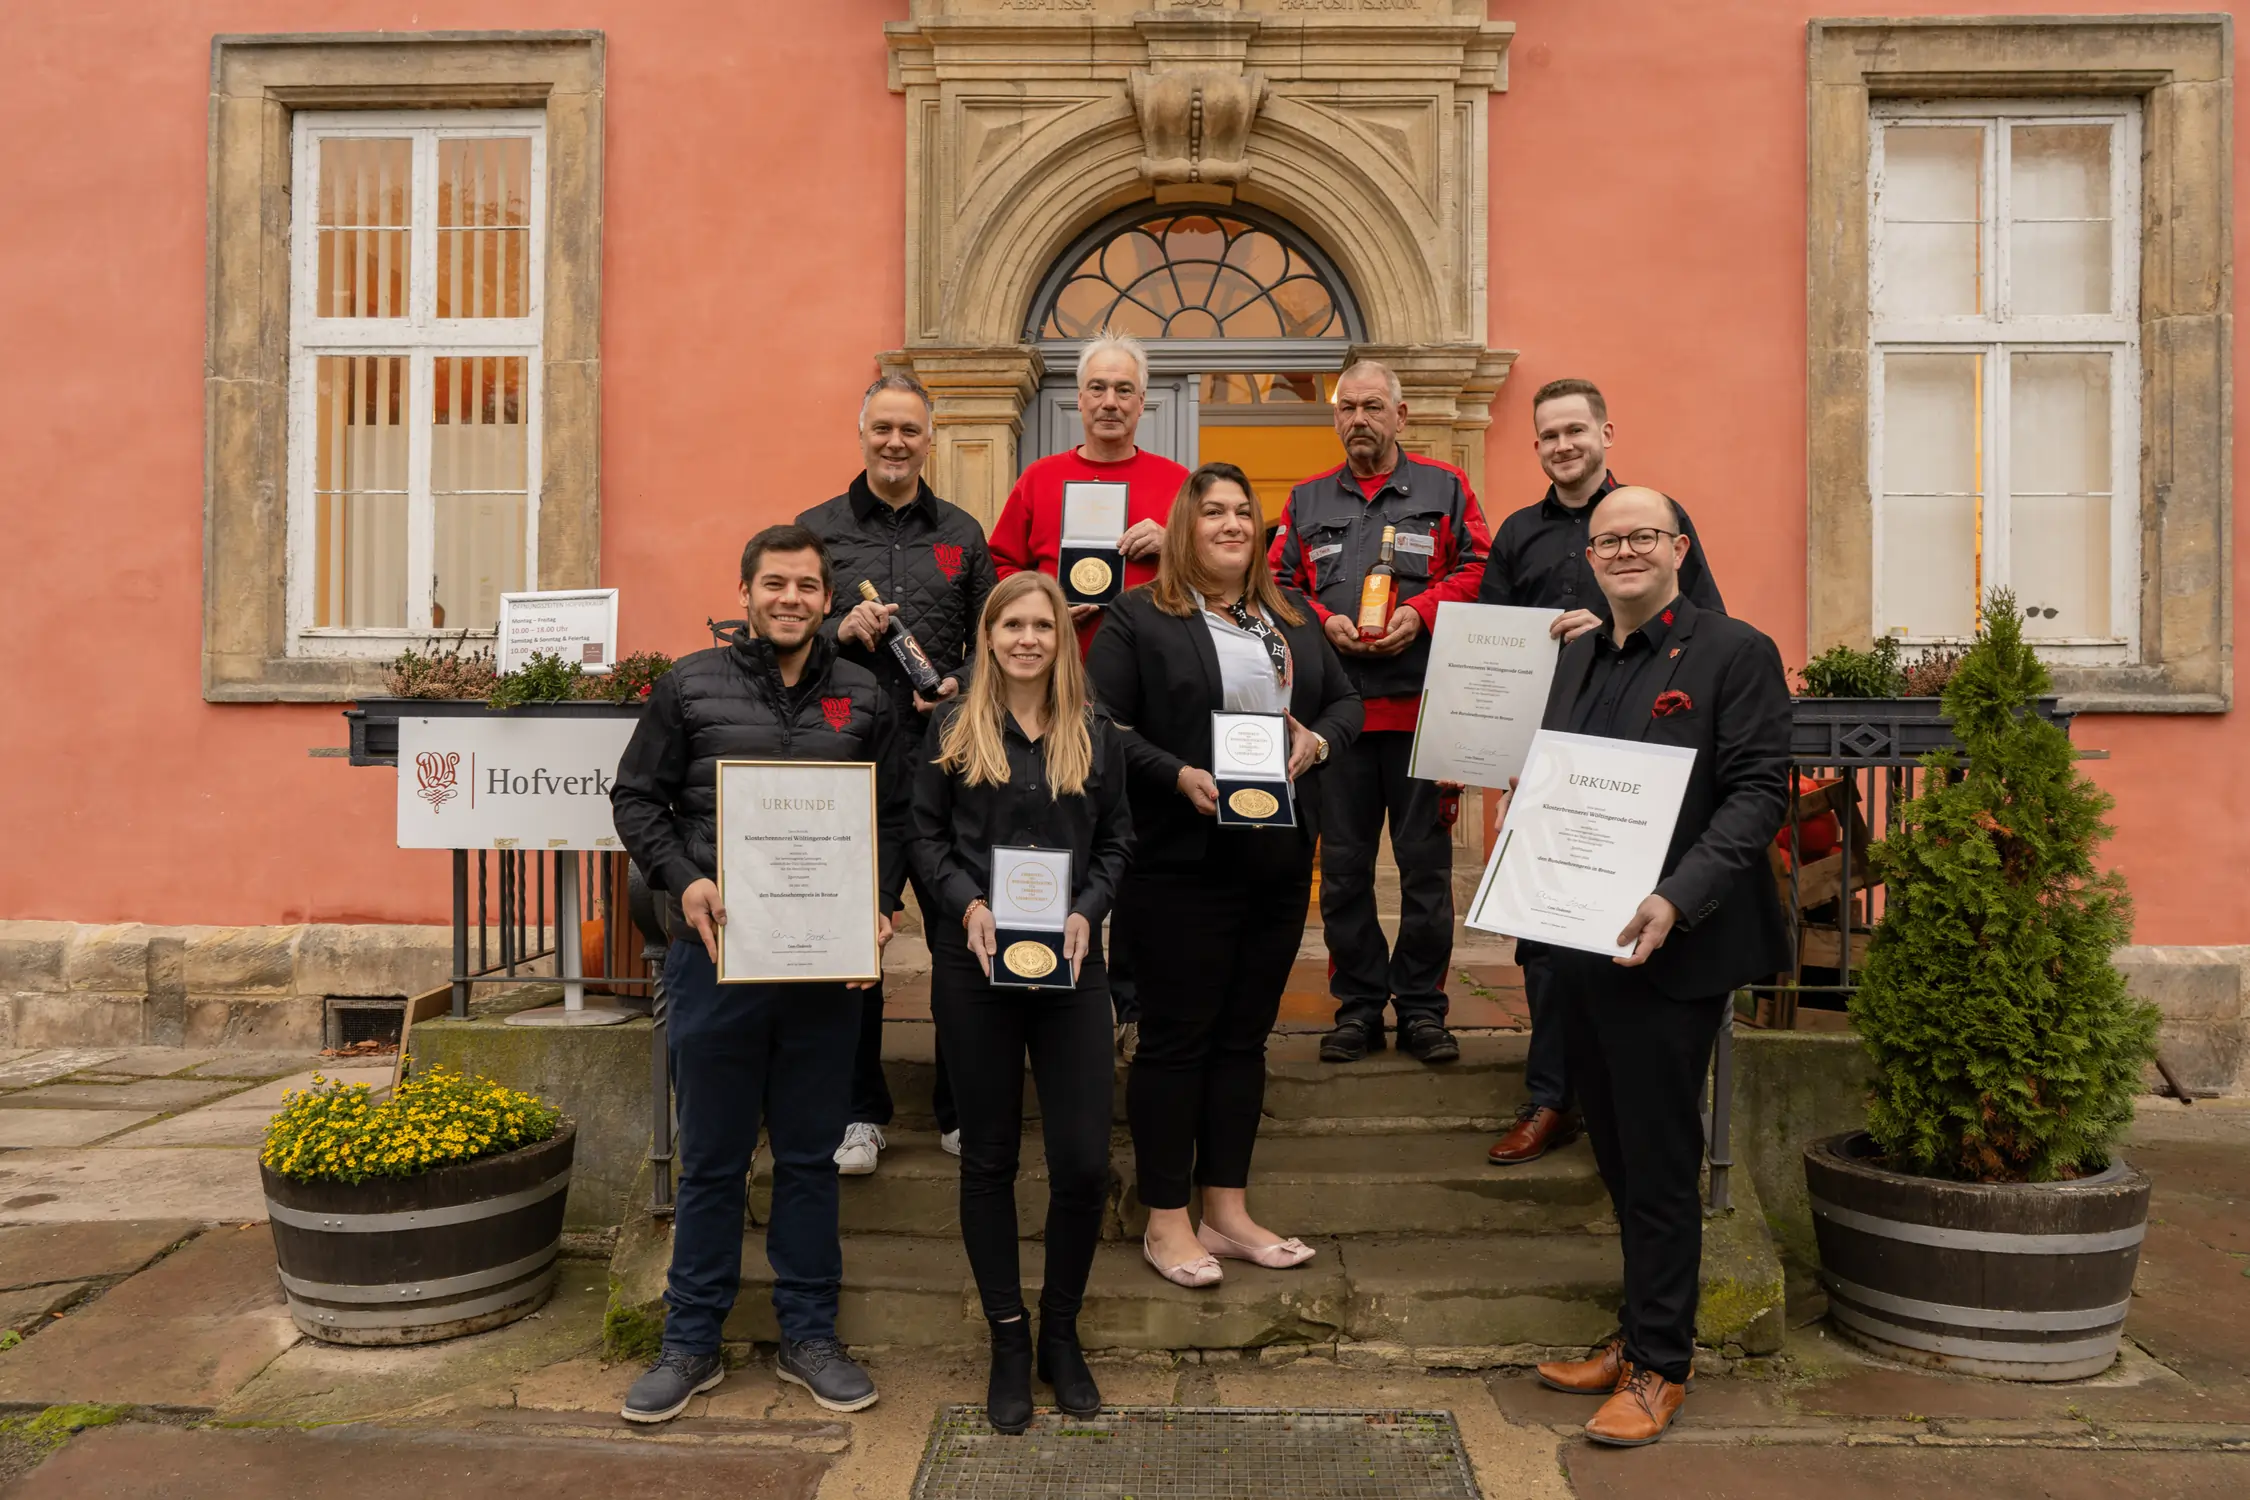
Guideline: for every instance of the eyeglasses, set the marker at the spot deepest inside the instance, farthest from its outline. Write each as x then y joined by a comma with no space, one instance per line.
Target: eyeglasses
1643,541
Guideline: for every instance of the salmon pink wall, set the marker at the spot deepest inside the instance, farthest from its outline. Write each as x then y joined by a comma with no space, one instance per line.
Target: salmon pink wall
1647,230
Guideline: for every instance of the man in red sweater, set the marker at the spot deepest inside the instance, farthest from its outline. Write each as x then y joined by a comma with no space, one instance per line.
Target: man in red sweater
1329,539
1112,385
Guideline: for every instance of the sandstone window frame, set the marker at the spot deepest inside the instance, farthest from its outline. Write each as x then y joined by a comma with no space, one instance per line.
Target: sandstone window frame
2180,69
259,83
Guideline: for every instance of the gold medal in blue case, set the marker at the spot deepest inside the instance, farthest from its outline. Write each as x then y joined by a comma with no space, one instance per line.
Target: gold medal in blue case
1250,763
1030,909
1089,567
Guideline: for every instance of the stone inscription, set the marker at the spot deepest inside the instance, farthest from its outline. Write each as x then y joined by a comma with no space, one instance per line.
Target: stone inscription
1046,4
1351,4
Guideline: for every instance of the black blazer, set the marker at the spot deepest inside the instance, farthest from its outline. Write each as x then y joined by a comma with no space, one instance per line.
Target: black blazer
1159,676
1731,930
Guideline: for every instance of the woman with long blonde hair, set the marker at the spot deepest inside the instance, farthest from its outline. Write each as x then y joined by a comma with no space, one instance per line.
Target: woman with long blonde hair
1022,760
1212,915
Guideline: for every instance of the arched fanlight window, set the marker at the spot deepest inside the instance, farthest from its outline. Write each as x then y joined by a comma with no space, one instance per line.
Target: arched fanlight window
1164,274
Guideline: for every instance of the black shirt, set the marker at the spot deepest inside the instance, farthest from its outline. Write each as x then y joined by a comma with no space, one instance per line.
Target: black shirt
1539,559
954,825
1616,668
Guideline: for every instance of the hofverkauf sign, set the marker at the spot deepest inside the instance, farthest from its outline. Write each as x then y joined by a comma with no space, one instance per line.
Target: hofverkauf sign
577,625
507,782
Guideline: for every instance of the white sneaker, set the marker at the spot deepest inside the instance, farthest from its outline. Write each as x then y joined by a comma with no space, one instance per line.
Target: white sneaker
862,1148
950,1143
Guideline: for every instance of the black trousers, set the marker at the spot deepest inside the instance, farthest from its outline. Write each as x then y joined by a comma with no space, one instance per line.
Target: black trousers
1213,945
1546,1070
986,1033
1638,1059
871,1091
1365,783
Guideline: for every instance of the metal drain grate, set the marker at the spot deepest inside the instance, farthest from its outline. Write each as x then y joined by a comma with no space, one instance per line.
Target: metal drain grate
1199,1453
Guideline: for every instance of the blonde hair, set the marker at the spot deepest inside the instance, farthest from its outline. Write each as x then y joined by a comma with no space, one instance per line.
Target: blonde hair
974,743
1182,580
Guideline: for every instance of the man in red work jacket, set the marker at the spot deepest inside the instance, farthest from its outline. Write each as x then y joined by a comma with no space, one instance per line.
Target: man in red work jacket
1329,538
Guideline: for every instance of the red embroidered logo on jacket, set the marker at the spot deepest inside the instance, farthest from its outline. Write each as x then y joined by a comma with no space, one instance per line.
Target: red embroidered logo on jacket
1667,617
838,713
948,555
1671,702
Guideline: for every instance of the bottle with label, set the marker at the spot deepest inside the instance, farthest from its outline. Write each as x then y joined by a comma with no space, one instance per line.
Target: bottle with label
1379,594
908,650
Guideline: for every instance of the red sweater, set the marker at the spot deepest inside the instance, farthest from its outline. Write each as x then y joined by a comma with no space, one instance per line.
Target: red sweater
1028,534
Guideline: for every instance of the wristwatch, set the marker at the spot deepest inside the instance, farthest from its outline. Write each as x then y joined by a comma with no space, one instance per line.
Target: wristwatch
1320,753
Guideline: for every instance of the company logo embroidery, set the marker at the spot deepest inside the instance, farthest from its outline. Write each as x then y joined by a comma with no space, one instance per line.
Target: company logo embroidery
437,777
838,713
948,555
1671,702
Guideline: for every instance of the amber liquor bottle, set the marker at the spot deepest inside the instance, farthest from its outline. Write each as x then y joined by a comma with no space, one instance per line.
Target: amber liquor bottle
908,650
1379,594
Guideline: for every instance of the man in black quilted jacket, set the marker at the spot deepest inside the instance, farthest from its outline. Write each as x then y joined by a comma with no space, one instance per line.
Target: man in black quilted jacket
773,1054
929,561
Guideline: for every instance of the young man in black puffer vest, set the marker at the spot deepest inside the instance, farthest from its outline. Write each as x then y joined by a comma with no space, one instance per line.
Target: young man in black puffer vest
773,1054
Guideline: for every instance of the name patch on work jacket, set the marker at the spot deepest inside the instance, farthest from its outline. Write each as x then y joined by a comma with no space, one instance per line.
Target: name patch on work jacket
1409,542
1315,554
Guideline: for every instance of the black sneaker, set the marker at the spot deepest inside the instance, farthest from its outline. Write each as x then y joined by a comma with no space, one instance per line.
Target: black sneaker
676,1378
1427,1040
1351,1041
822,1367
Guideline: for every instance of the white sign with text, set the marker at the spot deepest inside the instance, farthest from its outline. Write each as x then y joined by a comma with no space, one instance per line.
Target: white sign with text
508,781
577,625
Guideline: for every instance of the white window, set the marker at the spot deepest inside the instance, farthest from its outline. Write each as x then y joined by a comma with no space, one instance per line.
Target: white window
416,250
2005,370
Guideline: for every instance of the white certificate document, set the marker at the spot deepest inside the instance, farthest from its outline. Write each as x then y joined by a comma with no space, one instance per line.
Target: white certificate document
1584,840
797,871
1093,512
1249,747
1030,889
1483,693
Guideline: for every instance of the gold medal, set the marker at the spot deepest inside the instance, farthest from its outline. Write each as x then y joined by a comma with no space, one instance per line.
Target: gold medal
1089,575
1250,802
1030,960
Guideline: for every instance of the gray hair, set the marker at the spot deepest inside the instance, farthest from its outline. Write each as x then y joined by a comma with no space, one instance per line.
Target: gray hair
894,382
1366,367
1115,343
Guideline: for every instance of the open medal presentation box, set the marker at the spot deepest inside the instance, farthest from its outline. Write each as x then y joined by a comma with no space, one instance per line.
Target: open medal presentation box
1030,908
1090,567
1250,762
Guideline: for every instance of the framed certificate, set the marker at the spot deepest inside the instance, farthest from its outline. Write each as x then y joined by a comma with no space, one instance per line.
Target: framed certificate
1584,840
1484,692
1030,907
1091,569
797,872
1250,763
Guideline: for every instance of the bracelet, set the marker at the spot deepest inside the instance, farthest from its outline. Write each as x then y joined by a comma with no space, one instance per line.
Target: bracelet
971,910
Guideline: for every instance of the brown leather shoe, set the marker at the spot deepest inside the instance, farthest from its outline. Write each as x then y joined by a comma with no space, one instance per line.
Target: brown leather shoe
1588,1377
1538,1130
1639,1413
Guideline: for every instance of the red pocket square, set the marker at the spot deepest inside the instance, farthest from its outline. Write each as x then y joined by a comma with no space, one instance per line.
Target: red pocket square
1671,702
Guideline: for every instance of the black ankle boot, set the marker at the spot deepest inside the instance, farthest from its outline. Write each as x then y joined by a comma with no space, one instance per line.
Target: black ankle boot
1007,1395
1063,1365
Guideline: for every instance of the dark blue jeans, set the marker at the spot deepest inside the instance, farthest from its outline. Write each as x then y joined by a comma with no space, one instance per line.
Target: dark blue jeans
1546,1069
742,1053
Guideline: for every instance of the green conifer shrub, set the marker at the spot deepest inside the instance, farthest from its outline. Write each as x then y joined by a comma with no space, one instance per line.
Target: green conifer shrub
2006,1048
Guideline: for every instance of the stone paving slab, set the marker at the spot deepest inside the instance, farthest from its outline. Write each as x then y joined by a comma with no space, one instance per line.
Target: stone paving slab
29,1308
164,1094
50,1063
34,1254
69,1185
202,1127
269,1096
24,1128
156,1062
257,1065
1693,1471
131,1461
189,1331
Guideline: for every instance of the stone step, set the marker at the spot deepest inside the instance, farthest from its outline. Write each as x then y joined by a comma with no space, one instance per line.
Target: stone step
1384,1091
1436,1183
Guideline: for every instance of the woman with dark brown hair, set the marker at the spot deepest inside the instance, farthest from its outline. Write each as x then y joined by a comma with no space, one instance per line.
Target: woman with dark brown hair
1212,914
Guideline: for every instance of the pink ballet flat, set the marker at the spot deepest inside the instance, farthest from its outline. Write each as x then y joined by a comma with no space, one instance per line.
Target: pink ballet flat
1276,1257
1200,1272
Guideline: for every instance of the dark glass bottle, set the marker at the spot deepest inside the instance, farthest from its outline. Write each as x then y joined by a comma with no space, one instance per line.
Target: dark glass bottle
908,650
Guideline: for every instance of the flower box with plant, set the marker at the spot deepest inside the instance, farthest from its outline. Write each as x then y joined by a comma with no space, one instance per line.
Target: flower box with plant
1879,705
446,680
433,1213
1982,1221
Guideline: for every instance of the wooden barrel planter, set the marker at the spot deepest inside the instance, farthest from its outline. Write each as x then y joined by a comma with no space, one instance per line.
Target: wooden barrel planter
408,1260
2024,1281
